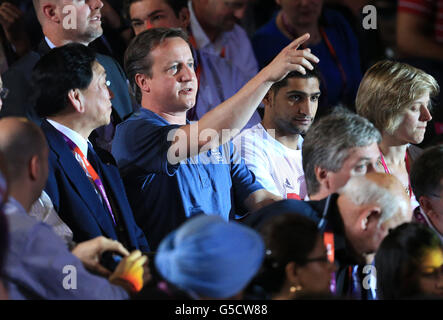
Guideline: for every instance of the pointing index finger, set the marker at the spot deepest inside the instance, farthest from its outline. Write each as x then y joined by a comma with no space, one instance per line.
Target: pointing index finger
299,41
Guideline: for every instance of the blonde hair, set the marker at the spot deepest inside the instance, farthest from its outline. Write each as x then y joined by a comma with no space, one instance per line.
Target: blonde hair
387,89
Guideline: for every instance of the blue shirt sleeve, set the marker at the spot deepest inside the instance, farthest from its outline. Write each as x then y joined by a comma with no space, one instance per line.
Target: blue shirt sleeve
143,145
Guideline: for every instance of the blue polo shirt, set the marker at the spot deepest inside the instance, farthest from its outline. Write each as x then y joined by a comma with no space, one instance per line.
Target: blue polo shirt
163,195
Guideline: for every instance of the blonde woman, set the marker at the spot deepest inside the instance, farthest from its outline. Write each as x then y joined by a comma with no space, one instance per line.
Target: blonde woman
396,98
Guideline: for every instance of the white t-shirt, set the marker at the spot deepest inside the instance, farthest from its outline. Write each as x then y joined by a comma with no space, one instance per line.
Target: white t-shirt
278,168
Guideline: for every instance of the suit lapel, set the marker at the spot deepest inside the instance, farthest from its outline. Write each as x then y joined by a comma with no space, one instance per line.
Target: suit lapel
111,178
79,181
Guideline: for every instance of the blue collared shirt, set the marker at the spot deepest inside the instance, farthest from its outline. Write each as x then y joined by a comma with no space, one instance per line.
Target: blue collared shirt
163,195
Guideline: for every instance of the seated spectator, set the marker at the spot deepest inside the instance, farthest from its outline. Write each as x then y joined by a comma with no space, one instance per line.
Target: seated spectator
427,184
332,41
354,223
58,30
409,264
172,169
396,98
215,28
210,258
36,258
84,183
296,261
218,79
272,148
335,148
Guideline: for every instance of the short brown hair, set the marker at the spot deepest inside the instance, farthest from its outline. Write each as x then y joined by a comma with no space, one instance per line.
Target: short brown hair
137,55
387,90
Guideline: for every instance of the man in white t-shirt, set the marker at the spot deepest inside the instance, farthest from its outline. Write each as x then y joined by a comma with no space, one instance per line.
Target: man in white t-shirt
272,148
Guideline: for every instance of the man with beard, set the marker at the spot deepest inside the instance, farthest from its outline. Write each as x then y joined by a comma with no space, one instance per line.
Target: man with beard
272,148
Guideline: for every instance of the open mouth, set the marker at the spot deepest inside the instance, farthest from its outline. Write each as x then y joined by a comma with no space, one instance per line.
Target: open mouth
186,91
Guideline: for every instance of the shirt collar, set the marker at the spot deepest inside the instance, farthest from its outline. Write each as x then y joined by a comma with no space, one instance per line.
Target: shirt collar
13,207
50,44
75,137
299,142
201,39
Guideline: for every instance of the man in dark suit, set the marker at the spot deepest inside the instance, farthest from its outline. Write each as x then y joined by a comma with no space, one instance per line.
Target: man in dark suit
84,184
66,22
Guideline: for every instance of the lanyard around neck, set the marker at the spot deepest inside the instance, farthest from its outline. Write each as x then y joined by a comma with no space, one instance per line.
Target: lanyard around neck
385,167
291,31
90,172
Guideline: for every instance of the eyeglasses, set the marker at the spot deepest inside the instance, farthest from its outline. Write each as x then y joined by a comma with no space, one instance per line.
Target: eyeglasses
4,93
432,272
318,259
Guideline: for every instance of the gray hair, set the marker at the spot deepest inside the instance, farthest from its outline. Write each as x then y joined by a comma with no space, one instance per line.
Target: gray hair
327,143
363,191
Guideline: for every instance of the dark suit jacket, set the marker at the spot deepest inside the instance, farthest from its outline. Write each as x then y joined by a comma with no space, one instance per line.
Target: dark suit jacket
18,80
76,200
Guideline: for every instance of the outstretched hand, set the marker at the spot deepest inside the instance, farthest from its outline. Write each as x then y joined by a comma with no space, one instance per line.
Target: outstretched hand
291,58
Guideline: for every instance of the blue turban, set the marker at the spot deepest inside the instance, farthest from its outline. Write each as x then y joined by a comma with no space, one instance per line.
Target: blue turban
210,257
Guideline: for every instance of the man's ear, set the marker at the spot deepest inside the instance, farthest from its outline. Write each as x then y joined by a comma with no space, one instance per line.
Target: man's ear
268,99
34,167
322,177
291,271
143,82
369,216
76,99
185,18
50,12
425,205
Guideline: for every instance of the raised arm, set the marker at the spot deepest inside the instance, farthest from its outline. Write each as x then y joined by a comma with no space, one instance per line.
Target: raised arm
235,112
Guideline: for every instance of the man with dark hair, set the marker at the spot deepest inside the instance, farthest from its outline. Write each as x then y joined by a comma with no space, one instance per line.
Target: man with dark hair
218,78
84,184
37,259
174,169
427,184
66,21
146,14
335,148
272,148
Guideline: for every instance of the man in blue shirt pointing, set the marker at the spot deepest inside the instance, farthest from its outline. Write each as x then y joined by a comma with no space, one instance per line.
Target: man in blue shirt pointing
173,169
